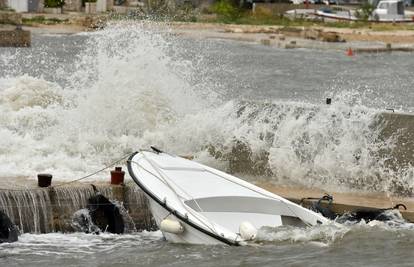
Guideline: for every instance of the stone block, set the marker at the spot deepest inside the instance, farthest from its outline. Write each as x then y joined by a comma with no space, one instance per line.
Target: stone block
52,10
73,5
331,37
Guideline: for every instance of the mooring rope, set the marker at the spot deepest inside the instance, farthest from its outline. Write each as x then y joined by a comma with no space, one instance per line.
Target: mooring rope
73,181
66,205
98,171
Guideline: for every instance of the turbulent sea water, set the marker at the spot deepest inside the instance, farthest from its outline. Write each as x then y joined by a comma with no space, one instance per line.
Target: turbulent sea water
72,103
380,245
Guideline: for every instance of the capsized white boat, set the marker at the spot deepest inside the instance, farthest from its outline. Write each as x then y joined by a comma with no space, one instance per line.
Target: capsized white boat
196,204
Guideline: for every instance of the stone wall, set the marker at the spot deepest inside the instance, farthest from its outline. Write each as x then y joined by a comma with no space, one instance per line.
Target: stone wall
73,5
44,210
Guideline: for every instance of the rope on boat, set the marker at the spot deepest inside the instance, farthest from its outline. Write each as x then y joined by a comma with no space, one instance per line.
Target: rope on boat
75,180
98,171
64,205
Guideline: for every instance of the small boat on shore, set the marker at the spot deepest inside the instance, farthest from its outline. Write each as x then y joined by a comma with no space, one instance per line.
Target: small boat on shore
196,204
385,11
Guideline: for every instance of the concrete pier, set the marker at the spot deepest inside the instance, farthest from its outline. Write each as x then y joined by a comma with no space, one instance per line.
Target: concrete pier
43,210
345,202
47,210
383,49
399,127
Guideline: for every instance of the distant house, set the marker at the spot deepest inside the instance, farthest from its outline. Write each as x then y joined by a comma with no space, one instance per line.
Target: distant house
25,5
78,5
38,5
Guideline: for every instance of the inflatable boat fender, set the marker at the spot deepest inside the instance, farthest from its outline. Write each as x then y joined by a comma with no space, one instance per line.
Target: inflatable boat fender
171,226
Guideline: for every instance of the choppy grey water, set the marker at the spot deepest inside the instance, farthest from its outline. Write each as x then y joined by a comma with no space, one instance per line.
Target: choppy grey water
76,102
359,245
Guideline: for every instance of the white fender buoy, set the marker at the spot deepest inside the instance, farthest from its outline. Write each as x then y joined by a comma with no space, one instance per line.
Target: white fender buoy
247,231
171,226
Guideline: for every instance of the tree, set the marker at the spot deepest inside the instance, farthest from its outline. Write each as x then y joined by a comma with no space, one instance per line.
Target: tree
365,12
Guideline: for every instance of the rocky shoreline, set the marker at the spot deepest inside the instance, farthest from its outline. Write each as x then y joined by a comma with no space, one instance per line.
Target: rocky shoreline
361,40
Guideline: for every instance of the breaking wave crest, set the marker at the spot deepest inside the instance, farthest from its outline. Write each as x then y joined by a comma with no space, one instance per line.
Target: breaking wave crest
326,235
131,90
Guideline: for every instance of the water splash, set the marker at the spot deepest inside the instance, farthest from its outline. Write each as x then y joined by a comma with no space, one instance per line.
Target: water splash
329,234
130,89
326,234
82,222
75,244
28,209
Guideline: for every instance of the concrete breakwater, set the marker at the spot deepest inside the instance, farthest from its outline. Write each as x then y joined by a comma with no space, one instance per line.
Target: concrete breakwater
344,202
387,142
38,210
400,127
52,209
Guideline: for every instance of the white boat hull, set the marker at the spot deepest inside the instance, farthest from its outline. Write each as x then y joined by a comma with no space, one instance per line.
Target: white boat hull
201,205
351,17
190,234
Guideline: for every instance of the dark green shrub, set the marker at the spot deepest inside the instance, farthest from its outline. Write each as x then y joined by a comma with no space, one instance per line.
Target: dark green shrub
365,12
54,3
227,10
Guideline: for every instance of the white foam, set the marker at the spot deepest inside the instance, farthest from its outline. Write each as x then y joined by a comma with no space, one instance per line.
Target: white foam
328,234
321,234
131,90
75,243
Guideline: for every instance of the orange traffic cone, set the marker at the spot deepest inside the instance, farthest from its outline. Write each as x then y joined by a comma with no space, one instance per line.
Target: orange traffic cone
349,52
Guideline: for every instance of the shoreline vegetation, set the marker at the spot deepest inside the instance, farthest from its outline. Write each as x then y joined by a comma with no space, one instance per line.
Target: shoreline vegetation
223,12
225,19
344,34
246,18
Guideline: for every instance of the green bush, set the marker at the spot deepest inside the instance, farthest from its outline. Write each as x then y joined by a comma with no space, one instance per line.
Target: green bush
227,10
54,3
365,12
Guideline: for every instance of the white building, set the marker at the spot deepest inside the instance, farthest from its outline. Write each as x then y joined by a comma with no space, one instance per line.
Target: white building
25,5
70,5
